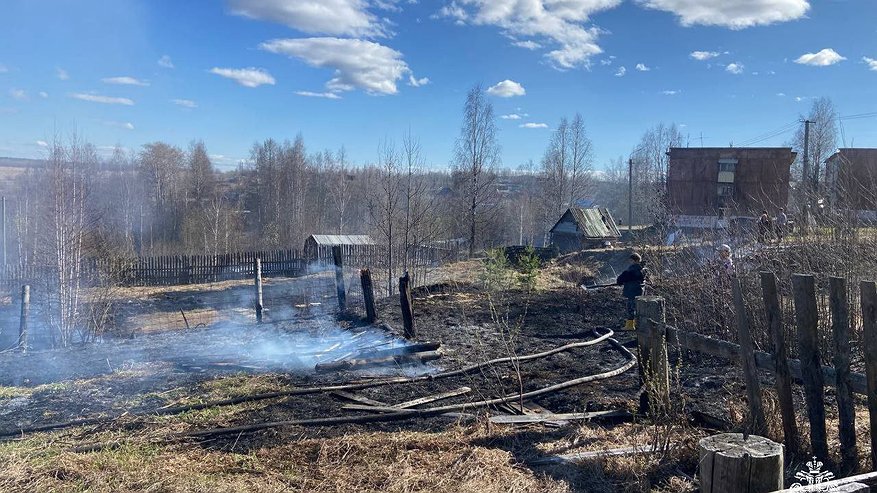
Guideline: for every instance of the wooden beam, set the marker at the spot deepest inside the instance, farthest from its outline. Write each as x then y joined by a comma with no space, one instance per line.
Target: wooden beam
747,359
869,331
840,327
807,321
432,398
783,377
541,418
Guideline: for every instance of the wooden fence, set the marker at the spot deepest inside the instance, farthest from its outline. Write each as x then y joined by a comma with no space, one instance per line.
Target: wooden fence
655,336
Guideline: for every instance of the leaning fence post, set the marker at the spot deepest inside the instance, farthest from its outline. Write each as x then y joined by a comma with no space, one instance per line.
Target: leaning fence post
840,325
652,343
807,320
25,313
339,277
747,360
781,360
407,308
368,295
257,274
869,330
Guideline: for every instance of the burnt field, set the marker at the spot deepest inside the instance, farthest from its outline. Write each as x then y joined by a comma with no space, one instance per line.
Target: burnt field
238,406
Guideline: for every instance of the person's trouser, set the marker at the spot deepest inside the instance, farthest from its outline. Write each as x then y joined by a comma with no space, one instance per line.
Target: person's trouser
631,308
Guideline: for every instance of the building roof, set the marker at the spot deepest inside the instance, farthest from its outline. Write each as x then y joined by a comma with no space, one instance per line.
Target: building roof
594,222
329,240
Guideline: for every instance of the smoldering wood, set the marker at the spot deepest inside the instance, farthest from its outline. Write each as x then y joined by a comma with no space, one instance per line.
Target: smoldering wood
393,360
747,360
407,307
807,321
783,378
868,290
338,260
407,349
368,295
840,326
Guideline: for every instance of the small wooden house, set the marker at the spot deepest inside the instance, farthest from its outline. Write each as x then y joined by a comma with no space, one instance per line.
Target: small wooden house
581,228
319,247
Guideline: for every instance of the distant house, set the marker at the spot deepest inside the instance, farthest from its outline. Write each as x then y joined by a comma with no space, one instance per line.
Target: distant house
581,228
707,186
851,175
319,247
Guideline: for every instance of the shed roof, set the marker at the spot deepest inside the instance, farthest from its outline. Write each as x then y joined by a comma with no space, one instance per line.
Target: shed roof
329,240
595,222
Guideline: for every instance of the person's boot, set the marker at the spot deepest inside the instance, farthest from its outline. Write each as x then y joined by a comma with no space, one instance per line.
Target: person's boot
630,324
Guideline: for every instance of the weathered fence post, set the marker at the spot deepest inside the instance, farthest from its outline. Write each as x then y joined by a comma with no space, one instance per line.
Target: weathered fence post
781,369
339,277
25,313
407,308
840,327
652,343
257,274
747,361
869,330
807,320
368,295
732,463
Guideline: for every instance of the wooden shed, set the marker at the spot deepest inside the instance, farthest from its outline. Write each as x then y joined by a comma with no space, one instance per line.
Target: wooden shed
319,247
581,228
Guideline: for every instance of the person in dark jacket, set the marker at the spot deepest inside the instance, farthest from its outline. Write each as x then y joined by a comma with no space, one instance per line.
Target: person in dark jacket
632,279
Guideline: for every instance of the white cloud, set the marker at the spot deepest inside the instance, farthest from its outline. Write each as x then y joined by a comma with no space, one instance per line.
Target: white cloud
621,71
563,24
415,82
704,55
733,14
533,125
125,81
871,62
247,77
512,116
62,74
96,98
642,67
357,63
42,143
506,89
3,69
605,61
185,103
44,94
125,125
671,92
18,94
735,68
333,17
327,95
529,44
781,94
165,61
823,58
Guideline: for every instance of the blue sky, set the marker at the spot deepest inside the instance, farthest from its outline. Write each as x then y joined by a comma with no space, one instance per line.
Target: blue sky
354,72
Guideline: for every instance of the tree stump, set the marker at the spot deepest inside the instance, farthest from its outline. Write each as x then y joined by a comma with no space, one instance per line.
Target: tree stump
729,463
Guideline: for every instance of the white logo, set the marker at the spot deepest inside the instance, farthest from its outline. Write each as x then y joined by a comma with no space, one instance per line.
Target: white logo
812,474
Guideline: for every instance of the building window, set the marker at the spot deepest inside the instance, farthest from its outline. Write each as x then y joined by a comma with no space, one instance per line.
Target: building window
727,166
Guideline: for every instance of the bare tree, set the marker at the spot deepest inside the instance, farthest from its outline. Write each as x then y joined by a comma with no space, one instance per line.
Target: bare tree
650,162
342,187
476,158
822,143
566,167
420,224
385,205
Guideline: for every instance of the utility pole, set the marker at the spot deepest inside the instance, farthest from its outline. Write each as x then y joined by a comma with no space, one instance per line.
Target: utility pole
805,176
4,234
629,197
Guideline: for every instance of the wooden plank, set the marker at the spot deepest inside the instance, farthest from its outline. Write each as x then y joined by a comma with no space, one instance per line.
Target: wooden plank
339,277
407,307
368,295
433,398
840,327
599,454
544,417
869,334
807,321
783,378
652,340
747,360
358,398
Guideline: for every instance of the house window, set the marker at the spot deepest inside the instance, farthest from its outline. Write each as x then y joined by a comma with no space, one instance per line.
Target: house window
727,166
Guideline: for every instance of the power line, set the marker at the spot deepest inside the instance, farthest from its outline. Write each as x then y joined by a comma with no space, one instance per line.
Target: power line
771,134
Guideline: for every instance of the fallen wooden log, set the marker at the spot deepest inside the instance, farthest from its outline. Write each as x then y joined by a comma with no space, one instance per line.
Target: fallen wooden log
356,398
396,360
547,417
432,398
409,349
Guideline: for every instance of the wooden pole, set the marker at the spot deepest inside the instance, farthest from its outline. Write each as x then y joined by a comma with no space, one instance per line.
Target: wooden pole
747,361
407,308
652,341
734,463
25,313
807,320
840,326
257,274
869,330
368,295
781,371
339,277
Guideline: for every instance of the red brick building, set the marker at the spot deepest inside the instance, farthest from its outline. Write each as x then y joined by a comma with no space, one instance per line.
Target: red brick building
852,181
721,182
